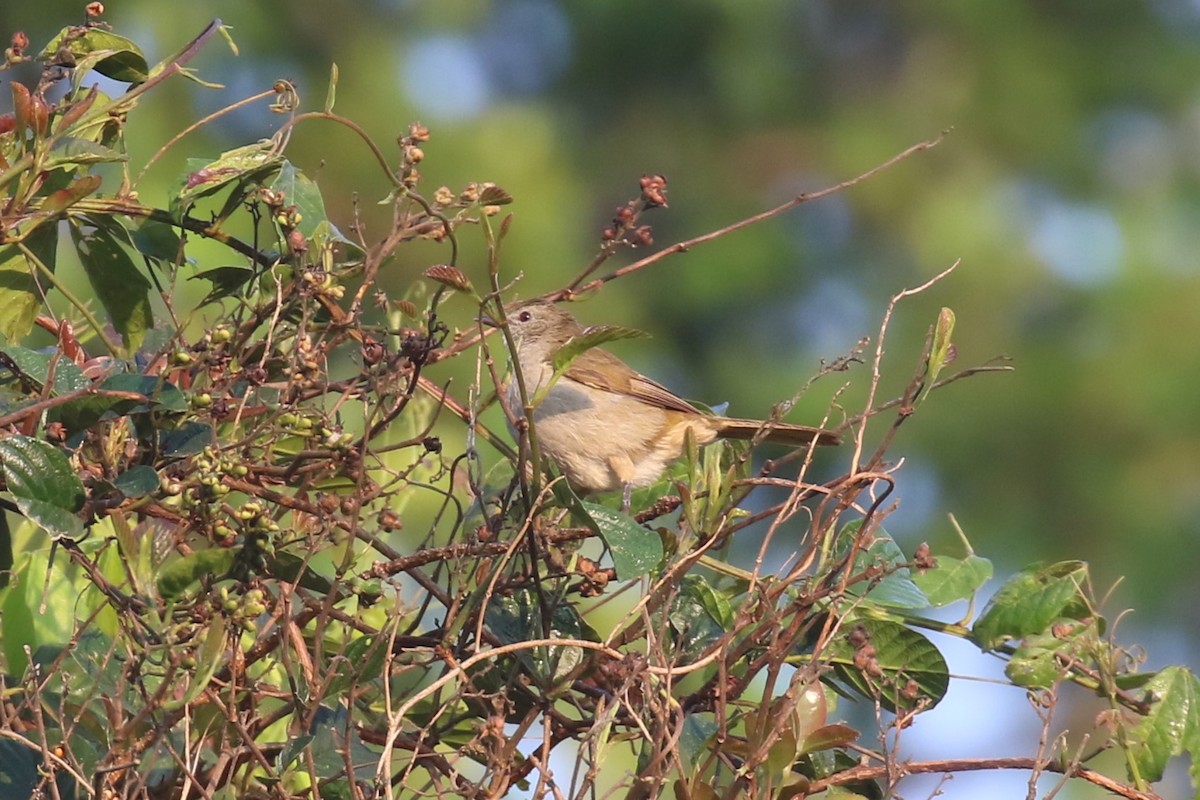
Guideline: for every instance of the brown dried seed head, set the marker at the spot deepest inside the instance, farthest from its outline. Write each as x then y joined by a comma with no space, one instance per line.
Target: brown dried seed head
450,276
923,557
858,637
407,307
493,195
372,352
1061,630
296,241
654,190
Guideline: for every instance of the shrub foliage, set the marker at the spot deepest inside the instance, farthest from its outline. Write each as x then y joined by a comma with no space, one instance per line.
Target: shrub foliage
254,550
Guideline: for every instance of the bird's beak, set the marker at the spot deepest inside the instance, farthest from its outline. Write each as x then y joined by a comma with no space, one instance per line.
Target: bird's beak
488,322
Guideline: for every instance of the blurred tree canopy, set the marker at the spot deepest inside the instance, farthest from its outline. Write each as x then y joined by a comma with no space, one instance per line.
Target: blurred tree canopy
1068,187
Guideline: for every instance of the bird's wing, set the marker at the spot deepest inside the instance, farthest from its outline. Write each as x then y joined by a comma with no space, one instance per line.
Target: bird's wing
600,369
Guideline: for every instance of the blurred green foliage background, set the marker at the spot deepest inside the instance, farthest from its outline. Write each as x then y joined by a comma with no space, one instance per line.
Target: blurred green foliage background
1069,186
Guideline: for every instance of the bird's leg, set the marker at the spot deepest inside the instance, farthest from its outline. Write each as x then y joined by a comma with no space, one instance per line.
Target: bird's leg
626,497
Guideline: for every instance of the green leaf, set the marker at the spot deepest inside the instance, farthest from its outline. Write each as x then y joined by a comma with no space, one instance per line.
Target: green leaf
20,297
829,736
176,576
158,241
188,439
292,750
903,670
138,481
35,366
698,731
825,763
250,164
336,741
37,470
299,191
842,793
71,151
715,602
293,569
1133,681
1040,659
210,656
21,773
156,390
783,753
225,280
518,618
86,411
894,587
1030,601
331,92
941,351
41,479
6,551
593,336
1173,725
699,616
953,579
364,659
109,54
119,284
636,551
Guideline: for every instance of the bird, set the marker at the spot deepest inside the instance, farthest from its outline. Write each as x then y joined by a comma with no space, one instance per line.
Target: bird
605,425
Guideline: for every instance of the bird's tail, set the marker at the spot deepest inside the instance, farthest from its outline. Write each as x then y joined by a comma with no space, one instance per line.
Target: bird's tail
778,432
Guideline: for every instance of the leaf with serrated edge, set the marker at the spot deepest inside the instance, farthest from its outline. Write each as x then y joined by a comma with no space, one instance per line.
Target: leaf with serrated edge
41,479
1173,725
37,470
1031,601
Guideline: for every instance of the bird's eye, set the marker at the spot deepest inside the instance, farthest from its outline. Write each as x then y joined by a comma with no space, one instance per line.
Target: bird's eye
525,316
